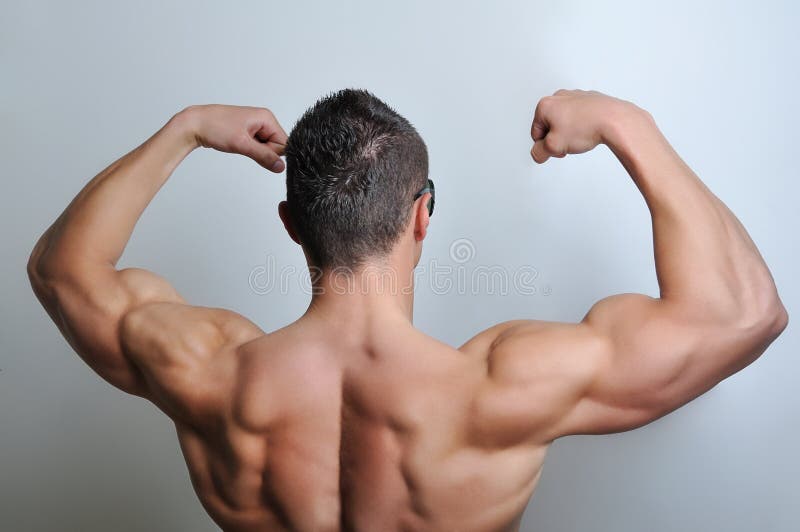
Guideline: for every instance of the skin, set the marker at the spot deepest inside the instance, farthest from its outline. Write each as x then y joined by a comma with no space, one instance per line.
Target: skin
350,418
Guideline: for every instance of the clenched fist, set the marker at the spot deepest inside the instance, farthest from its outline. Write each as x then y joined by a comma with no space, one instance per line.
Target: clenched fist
250,131
574,121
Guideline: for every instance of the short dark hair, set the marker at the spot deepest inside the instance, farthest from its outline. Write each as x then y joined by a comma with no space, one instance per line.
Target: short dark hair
353,165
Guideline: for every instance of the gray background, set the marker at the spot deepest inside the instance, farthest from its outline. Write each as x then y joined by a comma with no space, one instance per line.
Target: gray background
83,84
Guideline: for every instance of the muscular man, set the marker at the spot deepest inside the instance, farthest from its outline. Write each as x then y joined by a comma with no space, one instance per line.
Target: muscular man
350,418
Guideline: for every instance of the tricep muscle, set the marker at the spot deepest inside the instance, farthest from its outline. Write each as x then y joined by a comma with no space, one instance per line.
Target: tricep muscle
631,360
180,351
87,305
134,330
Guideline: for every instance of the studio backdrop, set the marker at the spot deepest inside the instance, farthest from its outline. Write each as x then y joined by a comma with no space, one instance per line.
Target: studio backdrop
85,82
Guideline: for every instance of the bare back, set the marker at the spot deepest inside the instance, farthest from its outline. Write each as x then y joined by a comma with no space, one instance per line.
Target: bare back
386,433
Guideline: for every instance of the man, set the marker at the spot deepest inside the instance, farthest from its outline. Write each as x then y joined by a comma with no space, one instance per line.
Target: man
350,418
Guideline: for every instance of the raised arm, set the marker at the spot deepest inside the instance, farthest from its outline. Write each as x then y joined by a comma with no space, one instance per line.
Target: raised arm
634,358
130,325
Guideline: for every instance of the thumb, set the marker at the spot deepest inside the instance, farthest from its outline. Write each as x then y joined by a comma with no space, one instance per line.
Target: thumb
278,166
539,152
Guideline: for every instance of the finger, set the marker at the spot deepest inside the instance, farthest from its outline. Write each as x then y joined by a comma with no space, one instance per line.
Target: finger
555,146
268,133
538,130
539,152
264,154
280,149
540,126
271,130
278,166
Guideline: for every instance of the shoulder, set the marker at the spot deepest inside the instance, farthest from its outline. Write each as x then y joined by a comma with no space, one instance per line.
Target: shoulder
187,356
510,343
280,372
482,344
184,330
534,371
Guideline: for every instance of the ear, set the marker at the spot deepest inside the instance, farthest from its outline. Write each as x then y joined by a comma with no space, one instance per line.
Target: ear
286,218
421,217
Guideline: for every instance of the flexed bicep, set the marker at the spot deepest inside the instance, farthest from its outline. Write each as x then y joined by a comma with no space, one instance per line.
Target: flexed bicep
630,361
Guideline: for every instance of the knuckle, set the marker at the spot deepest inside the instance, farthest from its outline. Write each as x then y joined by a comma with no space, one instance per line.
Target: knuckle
553,145
267,116
241,142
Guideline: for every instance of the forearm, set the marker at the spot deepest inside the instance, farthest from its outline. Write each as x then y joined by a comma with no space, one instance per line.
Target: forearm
97,224
705,259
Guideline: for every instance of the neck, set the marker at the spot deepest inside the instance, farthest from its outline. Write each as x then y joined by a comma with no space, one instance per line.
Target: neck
375,290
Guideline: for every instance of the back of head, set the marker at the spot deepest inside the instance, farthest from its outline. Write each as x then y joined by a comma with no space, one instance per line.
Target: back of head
353,165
